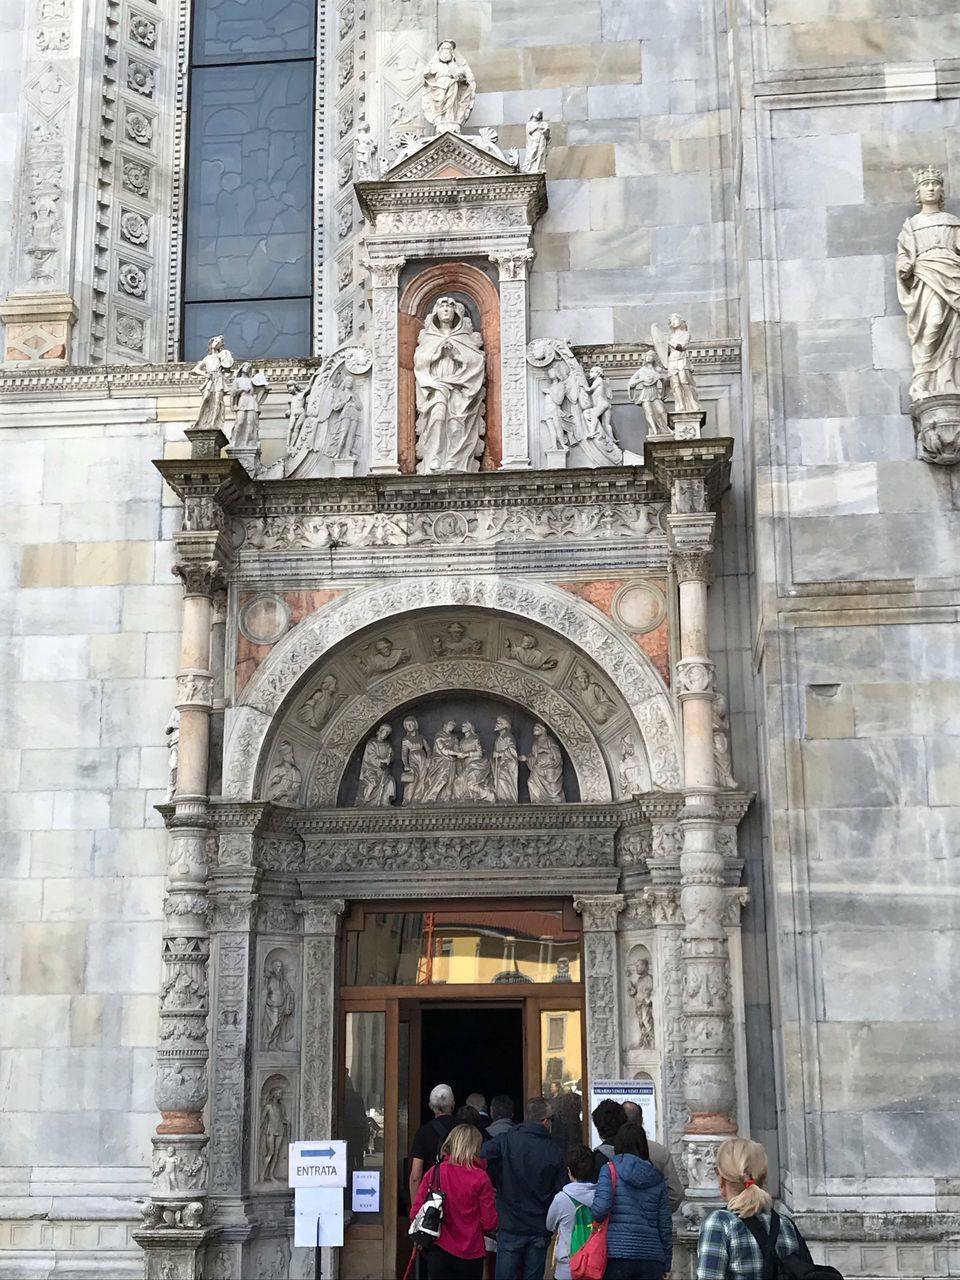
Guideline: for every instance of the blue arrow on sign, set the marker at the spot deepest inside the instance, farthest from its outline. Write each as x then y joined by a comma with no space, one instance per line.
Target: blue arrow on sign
318,1151
366,1191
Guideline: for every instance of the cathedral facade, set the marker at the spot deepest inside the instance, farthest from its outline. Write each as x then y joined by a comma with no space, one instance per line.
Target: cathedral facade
481,557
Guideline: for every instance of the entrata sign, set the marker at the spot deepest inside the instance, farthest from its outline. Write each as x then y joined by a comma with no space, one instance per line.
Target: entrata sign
321,1163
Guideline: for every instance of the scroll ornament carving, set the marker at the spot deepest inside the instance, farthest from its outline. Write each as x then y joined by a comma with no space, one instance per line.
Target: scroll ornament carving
600,913
320,915
316,1102
384,272
602,1044
228,1062
512,264
458,853
233,911
186,904
633,849
276,915
693,565
199,577
449,221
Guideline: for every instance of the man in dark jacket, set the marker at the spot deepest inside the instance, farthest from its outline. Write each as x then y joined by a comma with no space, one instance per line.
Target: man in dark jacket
527,1171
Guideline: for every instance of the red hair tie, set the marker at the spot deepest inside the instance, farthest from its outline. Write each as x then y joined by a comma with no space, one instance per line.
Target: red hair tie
749,1182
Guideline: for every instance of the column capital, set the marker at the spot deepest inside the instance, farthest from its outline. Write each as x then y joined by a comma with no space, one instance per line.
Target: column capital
512,263
600,912
385,272
199,577
320,915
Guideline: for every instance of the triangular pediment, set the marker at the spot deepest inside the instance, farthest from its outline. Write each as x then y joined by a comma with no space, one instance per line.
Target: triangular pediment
449,155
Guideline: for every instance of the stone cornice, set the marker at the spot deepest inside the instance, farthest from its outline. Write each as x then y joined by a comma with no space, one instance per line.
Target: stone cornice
707,460
715,355
526,191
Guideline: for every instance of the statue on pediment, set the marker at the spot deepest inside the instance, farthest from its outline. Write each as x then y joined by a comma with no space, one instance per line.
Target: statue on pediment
449,89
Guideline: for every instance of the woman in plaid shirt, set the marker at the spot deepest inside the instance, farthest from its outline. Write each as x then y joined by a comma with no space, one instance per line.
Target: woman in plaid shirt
726,1249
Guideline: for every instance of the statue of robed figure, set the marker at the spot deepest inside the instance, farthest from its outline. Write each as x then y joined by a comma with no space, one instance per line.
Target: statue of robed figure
450,372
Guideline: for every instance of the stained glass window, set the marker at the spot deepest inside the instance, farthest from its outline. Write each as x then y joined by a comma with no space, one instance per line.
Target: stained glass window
248,251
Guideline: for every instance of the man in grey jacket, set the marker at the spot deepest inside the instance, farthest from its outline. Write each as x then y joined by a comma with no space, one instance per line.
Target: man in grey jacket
501,1115
659,1156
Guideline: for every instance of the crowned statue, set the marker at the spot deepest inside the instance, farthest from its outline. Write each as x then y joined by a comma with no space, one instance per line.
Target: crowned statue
928,285
450,372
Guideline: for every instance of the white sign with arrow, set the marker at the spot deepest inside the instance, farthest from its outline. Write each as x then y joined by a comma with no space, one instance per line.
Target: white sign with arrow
322,1163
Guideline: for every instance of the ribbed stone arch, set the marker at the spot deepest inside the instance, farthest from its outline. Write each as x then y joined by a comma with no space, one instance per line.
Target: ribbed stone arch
575,623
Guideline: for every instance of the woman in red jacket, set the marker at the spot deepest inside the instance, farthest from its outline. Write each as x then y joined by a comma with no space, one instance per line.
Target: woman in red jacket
469,1210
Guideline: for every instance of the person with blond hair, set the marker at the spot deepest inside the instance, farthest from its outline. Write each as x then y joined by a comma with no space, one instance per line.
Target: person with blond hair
730,1245
469,1210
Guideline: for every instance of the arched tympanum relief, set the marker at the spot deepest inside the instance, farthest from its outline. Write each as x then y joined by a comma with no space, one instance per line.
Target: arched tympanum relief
295,671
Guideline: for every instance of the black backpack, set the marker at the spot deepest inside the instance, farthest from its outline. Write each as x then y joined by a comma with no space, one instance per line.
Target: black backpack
793,1267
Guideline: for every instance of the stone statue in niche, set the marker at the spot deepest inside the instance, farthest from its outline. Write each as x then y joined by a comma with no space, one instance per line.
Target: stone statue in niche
545,765
274,1135
365,155
474,780
276,1020
450,373
449,89
640,986
441,775
504,763
674,356
721,742
172,733
212,370
415,760
296,415
382,656
377,787
249,388
527,652
645,388
597,701
631,774
928,286
538,136
455,640
283,783
318,708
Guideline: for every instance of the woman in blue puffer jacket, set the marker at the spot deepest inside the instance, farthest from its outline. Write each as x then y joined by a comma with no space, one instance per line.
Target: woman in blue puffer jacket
640,1234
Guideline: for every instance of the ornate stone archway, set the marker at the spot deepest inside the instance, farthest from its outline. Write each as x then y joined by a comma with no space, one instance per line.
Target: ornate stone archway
576,627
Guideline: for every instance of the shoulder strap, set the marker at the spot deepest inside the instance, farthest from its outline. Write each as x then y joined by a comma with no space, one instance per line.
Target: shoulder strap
613,1178
766,1241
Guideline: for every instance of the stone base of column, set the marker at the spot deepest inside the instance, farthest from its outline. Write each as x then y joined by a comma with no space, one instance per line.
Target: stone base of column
173,1253
38,328
205,443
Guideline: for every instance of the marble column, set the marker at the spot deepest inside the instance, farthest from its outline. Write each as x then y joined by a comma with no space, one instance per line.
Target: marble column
599,914
512,265
384,449
709,1086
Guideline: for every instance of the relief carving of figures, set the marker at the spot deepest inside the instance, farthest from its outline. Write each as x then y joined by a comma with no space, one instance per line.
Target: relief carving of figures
640,986
454,641
376,786
672,351
599,704
183,991
721,742
274,1135
545,764
166,1169
645,388
342,421
449,89
248,389
283,783
631,772
212,370
43,240
450,372
383,655
527,652
365,155
928,286
578,411
474,780
415,760
505,763
441,776
279,1003
318,708
324,421
599,442
538,136
172,733
558,417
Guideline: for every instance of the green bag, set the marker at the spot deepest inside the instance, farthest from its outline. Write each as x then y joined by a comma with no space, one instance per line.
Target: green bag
582,1225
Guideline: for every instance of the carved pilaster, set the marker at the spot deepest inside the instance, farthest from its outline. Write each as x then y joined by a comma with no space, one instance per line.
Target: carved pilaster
600,915
512,266
385,274
321,917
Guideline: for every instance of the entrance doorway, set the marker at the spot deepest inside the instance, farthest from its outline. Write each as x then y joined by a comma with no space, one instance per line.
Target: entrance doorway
473,1049
486,997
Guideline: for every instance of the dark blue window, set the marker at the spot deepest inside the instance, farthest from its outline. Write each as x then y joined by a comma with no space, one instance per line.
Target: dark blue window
249,227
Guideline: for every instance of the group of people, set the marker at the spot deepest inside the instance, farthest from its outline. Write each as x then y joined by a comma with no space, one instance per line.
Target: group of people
509,1190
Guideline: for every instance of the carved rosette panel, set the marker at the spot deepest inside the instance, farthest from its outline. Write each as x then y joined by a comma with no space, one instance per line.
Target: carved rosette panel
599,916
320,923
625,668
513,352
